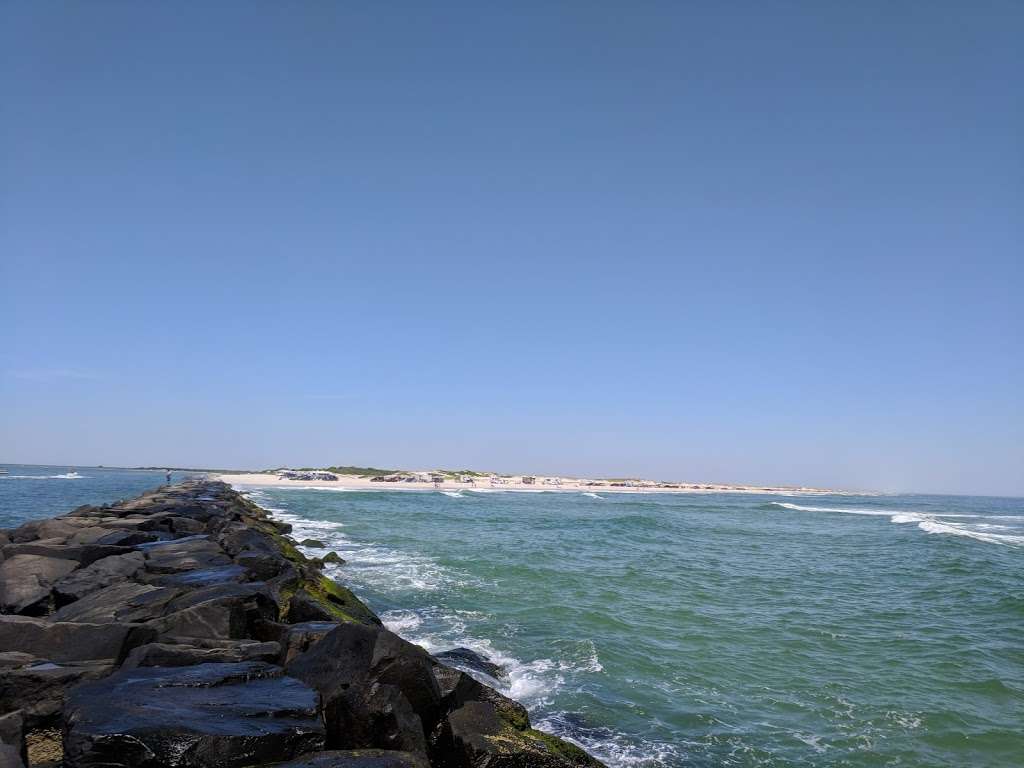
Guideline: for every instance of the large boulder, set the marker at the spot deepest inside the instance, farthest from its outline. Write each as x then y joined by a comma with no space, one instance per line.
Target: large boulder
27,580
204,716
229,611
379,690
477,736
102,573
38,689
12,741
70,641
126,601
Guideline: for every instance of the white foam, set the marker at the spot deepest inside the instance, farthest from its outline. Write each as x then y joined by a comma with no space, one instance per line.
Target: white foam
65,476
453,494
931,522
592,495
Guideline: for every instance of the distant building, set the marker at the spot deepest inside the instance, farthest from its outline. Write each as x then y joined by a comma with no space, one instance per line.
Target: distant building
291,474
529,480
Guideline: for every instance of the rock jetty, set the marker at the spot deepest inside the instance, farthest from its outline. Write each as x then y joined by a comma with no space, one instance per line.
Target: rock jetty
184,628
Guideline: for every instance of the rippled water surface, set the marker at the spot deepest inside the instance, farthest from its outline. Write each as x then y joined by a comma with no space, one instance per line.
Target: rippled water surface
708,630
698,630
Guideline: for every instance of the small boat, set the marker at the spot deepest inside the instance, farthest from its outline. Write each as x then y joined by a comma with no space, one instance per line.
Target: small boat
4,471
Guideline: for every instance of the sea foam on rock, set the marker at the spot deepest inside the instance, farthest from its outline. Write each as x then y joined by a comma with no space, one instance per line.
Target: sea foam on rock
184,628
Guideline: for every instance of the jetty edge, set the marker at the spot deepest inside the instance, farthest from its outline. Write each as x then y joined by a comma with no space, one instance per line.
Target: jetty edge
184,628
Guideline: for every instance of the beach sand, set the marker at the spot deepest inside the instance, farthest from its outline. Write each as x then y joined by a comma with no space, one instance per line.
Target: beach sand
577,485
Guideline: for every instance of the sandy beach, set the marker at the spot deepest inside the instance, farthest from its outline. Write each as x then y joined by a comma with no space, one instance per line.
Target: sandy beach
514,483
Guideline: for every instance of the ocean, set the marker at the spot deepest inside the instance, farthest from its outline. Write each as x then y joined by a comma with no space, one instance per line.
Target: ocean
661,630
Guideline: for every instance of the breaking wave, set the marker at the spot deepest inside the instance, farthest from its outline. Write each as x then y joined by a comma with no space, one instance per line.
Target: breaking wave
933,522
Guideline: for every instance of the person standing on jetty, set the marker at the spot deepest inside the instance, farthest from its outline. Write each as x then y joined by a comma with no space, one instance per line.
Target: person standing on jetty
168,472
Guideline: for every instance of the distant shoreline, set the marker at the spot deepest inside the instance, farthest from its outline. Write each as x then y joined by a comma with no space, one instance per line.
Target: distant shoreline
515,483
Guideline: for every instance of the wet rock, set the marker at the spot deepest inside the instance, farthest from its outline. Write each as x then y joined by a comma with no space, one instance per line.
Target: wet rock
68,641
209,716
458,688
470,659
312,543
476,736
360,758
102,573
379,691
333,557
195,579
26,581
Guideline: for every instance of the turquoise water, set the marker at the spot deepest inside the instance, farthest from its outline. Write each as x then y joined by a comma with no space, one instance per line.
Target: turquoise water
710,630
31,491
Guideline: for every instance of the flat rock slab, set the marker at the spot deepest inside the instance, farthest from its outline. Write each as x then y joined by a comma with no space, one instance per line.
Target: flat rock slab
64,641
126,601
208,715
358,758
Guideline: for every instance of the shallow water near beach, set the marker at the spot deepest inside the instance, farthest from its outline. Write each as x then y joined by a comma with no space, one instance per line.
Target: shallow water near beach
696,630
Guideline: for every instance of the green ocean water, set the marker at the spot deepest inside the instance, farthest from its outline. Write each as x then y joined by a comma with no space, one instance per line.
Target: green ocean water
712,630
703,630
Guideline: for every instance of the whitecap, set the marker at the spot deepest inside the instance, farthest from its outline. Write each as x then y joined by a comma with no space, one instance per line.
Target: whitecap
930,522
453,494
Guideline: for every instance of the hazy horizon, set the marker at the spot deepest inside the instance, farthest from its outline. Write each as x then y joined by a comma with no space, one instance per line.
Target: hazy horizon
776,246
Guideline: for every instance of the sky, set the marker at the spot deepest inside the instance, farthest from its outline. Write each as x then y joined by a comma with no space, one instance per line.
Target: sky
764,242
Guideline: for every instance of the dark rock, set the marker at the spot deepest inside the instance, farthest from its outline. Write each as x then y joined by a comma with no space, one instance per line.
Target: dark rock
15,659
458,688
185,525
360,758
333,557
188,554
67,641
379,691
299,638
312,543
320,599
26,581
127,601
83,554
133,538
204,716
174,655
102,573
470,659
262,565
43,529
38,689
13,753
477,736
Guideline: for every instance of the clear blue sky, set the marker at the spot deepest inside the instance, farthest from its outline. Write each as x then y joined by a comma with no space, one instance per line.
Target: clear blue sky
763,242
